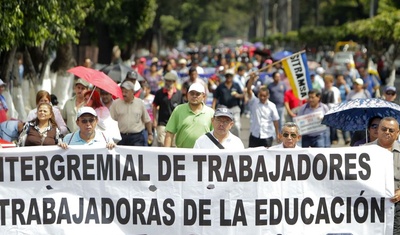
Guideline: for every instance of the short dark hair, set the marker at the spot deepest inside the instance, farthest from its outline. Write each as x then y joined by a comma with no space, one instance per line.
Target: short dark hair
372,119
316,92
192,69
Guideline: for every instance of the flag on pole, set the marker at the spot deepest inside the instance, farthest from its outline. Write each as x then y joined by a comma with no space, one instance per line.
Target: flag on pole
296,70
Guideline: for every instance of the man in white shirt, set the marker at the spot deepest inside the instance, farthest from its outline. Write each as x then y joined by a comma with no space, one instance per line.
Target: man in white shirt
264,117
289,136
220,137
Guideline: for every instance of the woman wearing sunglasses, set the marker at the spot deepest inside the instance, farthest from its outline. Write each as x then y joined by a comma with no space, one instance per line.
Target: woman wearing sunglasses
289,136
372,129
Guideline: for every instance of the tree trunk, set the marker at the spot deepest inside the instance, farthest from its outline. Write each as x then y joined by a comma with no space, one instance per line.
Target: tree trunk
6,73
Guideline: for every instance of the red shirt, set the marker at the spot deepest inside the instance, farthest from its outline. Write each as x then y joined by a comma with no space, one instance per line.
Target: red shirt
292,99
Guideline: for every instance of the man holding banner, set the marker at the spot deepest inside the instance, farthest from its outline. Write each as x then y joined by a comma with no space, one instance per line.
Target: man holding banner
289,136
388,133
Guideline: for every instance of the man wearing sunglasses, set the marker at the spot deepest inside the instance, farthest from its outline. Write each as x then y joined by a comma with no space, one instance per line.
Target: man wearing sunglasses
388,133
289,136
87,134
189,121
390,93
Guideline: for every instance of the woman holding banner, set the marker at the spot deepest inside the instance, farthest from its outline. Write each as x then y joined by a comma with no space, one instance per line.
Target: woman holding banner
42,130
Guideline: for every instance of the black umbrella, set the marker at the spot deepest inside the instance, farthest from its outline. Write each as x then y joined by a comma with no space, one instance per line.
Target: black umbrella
117,71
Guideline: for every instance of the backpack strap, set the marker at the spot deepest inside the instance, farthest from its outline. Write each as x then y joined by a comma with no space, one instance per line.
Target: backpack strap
71,137
212,138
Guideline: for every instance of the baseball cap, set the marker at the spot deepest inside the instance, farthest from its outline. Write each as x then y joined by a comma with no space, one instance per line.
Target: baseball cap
182,61
2,83
223,112
390,88
170,76
128,85
84,110
82,82
229,71
359,81
320,70
132,75
197,87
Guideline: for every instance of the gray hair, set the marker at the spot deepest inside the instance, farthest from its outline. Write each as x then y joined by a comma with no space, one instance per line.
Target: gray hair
290,124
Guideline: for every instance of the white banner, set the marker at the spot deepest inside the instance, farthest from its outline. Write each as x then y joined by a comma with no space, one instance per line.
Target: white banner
310,123
145,190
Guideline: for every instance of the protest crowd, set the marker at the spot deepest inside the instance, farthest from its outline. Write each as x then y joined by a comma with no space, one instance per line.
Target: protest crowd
198,101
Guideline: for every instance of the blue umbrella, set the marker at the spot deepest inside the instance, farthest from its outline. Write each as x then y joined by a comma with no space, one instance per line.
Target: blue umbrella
353,115
280,55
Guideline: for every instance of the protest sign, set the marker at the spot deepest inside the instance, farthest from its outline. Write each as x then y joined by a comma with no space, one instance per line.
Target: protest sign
310,123
142,190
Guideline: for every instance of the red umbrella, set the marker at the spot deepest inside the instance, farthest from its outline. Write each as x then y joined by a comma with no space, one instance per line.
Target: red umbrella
98,79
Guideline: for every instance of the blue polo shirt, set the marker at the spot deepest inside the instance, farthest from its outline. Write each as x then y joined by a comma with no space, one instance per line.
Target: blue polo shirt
75,139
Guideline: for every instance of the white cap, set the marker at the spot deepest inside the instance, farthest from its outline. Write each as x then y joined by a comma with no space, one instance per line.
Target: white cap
359,81
2,83
230,71
84,110
320,70
197,87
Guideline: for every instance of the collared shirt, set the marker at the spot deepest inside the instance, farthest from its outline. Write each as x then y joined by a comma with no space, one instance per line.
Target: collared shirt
396,162
100,138
231,142
189,126
69,114
280,146
224,94
131,117
166,91
262,118
166,104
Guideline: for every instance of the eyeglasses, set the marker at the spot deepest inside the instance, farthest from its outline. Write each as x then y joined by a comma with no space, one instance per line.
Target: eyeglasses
193,93
385,129
90,120
390,93
374,126
293,135
223,122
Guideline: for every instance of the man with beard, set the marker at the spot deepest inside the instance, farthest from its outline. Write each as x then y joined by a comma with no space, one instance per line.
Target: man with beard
165,101
189,121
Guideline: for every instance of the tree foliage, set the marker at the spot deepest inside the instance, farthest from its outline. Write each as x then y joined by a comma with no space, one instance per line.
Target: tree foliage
31,23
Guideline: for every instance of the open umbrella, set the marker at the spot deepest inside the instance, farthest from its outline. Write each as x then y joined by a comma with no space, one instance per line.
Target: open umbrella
353,115
280,55
98,79
116,71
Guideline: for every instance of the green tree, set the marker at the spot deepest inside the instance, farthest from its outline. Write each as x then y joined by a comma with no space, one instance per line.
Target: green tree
40,24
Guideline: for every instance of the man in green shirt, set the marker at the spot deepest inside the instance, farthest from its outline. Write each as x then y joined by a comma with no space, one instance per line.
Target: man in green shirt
189,121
